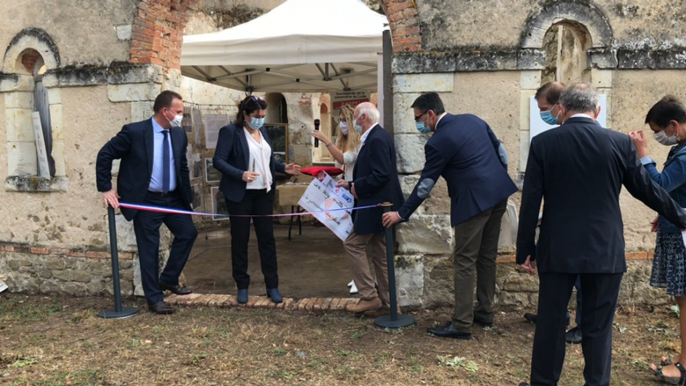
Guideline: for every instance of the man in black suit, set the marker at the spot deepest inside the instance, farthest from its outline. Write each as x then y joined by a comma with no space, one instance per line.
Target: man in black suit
375,180
465,151
579,169
153,171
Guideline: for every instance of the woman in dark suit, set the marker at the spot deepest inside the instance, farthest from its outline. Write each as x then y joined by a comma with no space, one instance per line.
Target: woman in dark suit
245,158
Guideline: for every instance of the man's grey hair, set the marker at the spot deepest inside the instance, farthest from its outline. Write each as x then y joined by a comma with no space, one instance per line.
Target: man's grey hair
370,111
579,96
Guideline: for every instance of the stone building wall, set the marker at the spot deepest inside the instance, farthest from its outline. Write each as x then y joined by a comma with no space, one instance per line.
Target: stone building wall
54,232
634,56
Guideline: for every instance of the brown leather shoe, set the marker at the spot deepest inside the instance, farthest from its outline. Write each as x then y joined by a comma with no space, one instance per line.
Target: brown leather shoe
364,305
177,289
384,310
161,308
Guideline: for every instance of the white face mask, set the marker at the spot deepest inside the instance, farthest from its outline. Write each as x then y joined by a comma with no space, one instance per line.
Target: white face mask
344,127
662,138
176,122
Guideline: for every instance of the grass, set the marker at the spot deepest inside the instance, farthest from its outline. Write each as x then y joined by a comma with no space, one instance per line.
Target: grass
61,341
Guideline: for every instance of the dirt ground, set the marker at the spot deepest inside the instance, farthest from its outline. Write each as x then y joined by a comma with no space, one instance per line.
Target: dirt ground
61,341
311,264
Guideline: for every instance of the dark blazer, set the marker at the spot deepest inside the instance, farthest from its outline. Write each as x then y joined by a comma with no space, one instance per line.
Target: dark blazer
579,169
231,158
134,146
375,178
465,151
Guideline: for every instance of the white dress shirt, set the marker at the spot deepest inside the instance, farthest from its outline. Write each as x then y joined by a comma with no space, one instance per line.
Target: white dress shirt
260,154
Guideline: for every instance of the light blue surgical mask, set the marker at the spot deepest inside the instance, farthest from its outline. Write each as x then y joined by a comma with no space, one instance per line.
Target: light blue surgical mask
422,127
256,123
547,117
357,127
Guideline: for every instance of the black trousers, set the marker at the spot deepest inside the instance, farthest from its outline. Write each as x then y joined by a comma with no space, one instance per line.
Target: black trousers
599,295
146,225
255,202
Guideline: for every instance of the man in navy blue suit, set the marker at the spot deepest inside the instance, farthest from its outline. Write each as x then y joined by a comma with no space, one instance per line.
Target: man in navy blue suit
375,180
577,171
465,151
153,171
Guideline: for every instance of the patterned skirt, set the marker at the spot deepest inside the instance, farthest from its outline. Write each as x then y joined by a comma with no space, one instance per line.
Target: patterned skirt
669,264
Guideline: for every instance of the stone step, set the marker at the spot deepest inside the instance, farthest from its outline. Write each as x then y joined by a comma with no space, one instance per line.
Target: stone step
305,304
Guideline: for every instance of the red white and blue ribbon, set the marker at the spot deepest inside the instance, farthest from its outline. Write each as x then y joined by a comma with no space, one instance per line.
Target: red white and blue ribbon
163,209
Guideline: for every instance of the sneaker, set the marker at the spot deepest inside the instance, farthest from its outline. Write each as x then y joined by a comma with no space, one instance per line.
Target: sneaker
3,286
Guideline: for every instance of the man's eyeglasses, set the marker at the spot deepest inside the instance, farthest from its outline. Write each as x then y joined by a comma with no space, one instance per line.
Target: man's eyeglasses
418,117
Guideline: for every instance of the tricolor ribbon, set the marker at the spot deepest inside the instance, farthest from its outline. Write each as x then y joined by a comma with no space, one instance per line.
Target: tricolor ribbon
163,209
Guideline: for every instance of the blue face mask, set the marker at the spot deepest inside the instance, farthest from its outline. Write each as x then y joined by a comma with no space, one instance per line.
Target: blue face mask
547,117
256,123
422,128
357,127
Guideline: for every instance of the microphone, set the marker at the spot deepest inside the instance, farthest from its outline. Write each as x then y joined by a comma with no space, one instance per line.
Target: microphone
316,127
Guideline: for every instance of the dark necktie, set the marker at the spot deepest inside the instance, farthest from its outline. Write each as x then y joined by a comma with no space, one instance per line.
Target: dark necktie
165,162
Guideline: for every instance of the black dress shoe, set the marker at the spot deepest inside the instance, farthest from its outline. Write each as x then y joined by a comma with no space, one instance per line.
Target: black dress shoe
573,335
449,331
161,308
482,322
177,289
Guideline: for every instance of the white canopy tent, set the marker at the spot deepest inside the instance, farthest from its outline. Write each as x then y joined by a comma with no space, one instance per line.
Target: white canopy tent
301,45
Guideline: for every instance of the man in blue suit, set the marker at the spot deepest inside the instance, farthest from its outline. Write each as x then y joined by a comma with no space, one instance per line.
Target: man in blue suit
153,171
375,180
465,151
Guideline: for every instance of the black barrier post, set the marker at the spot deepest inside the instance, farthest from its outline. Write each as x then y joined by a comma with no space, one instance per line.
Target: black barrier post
118,311
393,320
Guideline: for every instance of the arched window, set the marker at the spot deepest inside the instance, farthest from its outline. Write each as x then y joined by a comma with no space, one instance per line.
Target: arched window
565,44
29,58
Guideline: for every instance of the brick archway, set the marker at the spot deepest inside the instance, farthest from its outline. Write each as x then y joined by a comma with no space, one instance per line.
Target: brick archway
404,23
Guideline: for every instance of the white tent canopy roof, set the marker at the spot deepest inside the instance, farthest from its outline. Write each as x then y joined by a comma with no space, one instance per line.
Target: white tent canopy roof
301,45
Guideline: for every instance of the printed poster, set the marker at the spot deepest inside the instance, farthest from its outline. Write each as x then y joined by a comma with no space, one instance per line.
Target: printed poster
323,195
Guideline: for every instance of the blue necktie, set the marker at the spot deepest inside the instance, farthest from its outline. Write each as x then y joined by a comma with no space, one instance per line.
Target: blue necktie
165,162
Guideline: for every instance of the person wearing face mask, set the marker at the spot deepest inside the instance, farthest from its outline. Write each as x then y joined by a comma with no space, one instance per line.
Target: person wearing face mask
246,160
465,151
547,97
667,120
577,171
375,180
347,145
344,151
153,171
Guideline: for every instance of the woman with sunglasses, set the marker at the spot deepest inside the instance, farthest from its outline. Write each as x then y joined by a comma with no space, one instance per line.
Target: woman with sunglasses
345,150
245,158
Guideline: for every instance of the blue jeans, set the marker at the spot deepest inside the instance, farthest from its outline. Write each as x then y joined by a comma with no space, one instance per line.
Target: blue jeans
577,318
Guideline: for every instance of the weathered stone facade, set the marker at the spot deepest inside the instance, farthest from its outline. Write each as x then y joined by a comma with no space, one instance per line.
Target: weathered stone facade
54,231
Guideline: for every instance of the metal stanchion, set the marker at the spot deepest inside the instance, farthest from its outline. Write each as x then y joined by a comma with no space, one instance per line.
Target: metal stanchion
393,320
118,311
